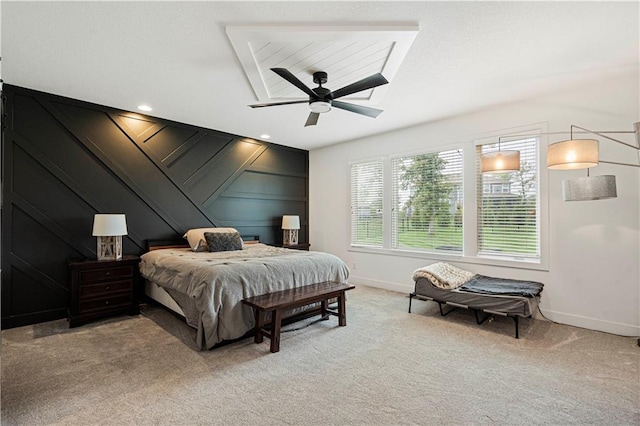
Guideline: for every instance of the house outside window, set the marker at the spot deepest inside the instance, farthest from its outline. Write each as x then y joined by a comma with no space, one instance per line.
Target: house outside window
496,188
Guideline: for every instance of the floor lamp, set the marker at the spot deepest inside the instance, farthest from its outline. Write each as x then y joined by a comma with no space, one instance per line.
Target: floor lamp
573,154
584,153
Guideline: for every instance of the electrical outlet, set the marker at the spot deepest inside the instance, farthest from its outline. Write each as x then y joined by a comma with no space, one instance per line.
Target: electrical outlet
354,266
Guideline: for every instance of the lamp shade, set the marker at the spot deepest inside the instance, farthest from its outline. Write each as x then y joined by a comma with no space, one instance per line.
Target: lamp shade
500,162
573,154
109,225
290,222
589,188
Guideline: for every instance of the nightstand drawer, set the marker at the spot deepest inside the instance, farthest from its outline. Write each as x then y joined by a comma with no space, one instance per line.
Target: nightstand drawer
94,275
111,287
106,302
103,288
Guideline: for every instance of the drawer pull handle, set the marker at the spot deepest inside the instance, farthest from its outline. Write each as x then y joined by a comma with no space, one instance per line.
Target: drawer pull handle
107,288
108,273
106,303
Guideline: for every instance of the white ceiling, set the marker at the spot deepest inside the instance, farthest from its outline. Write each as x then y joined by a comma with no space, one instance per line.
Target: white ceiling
177,57
346,54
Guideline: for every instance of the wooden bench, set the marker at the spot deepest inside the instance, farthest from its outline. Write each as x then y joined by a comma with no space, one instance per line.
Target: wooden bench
280,301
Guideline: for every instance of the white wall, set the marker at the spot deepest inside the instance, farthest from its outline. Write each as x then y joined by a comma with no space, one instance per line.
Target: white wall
593,278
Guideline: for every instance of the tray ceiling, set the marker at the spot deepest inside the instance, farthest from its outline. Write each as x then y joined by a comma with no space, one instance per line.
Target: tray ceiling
183,59
347,54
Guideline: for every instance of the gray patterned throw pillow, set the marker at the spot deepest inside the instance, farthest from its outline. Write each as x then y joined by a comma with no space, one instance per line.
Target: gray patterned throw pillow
223,241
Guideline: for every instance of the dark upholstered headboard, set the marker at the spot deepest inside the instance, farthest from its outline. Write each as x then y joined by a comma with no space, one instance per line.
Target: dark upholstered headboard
166,244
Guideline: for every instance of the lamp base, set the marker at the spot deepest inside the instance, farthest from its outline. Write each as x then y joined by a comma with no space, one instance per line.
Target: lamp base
290,237
110,247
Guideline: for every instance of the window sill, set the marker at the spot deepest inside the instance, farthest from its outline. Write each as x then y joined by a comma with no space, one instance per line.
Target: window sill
519,263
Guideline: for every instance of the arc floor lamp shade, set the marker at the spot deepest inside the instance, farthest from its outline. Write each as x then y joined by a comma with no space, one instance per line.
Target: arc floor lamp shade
584,153
589,188
500,162
290,227
573,154
109,228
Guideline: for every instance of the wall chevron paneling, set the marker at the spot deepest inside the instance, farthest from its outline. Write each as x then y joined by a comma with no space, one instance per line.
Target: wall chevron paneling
64,160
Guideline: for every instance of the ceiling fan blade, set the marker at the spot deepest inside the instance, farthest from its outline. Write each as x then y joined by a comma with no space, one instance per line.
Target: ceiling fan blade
312,120
287,75
359,109
364,84
277,103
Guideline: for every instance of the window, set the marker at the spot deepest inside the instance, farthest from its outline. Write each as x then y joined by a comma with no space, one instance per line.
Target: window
414,205
427,201
508,204
366,204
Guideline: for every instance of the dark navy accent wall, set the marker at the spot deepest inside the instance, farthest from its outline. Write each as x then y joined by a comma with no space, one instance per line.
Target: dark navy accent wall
64,160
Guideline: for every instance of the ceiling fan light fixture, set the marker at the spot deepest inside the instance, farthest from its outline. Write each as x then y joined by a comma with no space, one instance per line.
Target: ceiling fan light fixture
322,99
320,107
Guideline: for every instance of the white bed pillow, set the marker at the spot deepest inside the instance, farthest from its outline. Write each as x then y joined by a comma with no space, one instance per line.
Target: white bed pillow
196,239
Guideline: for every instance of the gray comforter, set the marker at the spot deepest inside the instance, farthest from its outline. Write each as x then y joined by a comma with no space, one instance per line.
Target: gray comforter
503,286
209,287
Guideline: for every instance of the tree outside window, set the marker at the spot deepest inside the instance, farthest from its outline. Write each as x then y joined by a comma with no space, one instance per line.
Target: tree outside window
428,201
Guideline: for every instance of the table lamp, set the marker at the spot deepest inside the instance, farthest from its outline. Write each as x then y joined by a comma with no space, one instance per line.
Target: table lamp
109,228
290,226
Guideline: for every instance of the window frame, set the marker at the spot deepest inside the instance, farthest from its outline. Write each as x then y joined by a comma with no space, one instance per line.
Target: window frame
470,218
392,178
361,246
510,256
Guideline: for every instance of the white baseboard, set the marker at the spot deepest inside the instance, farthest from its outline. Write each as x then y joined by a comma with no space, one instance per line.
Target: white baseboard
593,323
400,288
559,317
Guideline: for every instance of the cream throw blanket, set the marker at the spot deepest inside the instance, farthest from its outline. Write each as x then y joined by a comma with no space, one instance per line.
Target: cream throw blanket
443,275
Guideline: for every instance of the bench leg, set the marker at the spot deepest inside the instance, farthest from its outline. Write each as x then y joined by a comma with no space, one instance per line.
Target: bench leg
259,315
323,309
276,323
342,310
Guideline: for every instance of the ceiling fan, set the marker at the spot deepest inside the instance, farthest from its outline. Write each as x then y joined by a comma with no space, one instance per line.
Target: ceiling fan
322,99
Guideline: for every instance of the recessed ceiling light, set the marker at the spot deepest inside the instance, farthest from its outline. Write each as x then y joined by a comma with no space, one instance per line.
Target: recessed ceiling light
146,108
265,136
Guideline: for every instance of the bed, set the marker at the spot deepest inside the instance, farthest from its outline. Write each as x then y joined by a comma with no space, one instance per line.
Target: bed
446,285
207,288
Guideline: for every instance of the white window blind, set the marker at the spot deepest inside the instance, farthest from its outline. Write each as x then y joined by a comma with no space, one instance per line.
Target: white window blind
427,201
508,204
366,204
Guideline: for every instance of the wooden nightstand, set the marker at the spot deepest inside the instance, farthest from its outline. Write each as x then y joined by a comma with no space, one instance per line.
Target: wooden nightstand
301,246
102,288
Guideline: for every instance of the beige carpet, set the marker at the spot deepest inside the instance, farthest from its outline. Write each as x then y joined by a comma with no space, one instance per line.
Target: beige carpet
387,367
